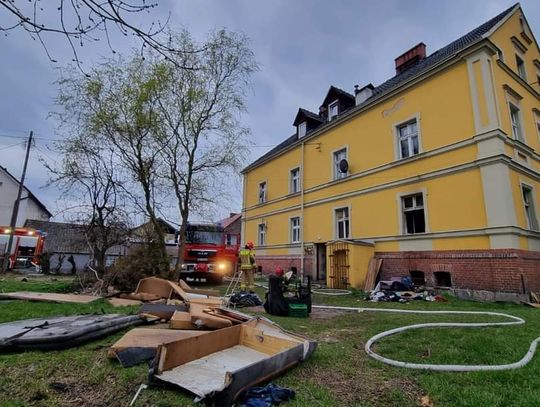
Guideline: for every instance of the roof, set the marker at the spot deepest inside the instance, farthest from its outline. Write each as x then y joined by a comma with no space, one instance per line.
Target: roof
165,226
447,52
230,220
334,92
61,237
30,194
306,114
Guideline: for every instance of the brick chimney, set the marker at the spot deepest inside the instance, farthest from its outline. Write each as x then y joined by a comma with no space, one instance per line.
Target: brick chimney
410,58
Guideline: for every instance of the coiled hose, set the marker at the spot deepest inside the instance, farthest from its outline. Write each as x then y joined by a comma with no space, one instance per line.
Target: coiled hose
442,368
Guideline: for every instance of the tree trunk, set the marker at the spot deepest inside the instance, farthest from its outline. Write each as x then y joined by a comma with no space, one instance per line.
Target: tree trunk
181,247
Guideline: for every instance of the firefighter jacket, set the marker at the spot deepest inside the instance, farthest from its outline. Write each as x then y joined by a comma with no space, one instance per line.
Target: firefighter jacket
247,259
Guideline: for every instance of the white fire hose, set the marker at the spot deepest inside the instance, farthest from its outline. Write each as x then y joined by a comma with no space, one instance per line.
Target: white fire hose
443,368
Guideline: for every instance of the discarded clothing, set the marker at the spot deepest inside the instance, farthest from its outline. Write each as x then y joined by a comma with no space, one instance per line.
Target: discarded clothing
267,396
245,300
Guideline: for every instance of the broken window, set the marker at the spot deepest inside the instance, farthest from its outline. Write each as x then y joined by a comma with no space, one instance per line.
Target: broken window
262,192
443,279
530,211
413,214
418,277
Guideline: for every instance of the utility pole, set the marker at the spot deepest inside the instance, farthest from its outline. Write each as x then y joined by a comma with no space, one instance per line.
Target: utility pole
15,212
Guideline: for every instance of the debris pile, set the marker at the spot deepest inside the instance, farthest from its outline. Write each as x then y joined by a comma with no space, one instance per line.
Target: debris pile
401,290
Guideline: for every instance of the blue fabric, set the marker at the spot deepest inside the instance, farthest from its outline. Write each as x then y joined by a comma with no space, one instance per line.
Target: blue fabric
267,396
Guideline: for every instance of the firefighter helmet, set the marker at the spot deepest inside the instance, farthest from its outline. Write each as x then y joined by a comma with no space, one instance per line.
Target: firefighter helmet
250,245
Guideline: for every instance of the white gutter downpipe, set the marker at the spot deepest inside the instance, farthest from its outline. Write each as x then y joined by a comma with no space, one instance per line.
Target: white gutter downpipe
302,213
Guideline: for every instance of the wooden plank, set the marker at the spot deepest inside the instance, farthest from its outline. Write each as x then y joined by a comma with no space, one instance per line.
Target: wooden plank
209,302
149,338
256,339
201,319
54,297
154,285
181,320
373,271
173,354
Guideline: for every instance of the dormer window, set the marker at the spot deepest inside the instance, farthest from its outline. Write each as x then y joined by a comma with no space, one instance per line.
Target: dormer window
302,129
333,110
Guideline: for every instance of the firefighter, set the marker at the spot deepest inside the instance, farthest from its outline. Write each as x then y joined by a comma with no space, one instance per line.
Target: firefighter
247,266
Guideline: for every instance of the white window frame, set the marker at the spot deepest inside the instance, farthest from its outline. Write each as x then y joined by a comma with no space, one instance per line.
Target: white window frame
347,219
336,174
522,73
529,207
536,116
261,234
402,224
292,179
516,128
302,129
397,136
295,229
263,197
335,104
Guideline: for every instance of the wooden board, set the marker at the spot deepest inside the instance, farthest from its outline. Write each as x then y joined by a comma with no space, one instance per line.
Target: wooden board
190,290
122,302
149,338
210,302
270,345
373,272
181,320
34,296
202,319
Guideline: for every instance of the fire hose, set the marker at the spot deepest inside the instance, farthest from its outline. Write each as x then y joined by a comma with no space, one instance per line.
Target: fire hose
443,368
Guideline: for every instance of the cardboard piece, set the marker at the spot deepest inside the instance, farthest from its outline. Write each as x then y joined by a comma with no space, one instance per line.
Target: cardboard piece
181,320
53,297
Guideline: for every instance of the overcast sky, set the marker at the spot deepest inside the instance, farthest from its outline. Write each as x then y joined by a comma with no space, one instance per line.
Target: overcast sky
302,47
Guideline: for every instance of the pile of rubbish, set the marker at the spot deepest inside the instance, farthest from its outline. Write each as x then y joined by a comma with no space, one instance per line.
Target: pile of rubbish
191,340
402,290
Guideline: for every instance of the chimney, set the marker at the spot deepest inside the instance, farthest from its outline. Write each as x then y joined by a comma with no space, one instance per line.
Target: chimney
364,93
410,58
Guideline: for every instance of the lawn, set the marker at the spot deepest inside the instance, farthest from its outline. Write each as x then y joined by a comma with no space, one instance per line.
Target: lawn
338,374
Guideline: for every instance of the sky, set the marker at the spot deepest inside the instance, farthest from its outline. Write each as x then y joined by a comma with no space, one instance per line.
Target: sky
303,47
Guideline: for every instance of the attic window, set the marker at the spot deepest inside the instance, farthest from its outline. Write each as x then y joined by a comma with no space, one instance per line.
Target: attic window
333,110
302,129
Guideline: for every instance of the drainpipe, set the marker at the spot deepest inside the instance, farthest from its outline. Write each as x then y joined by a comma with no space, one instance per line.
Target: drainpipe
302,214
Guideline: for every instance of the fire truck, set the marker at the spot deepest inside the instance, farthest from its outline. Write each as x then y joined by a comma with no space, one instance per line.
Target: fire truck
26,248
210,253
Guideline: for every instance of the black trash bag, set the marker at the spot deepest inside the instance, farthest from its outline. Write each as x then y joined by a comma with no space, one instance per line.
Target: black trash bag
276,304
245,300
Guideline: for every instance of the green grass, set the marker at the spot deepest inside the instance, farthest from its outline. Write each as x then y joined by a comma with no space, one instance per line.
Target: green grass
338,374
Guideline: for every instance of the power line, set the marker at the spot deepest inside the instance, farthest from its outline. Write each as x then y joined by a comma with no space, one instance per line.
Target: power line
13,145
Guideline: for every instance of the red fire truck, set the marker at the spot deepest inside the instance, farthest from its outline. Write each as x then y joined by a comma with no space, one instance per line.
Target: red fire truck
26,248
210,253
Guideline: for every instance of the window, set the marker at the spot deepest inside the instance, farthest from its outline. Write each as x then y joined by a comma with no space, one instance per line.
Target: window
302,129
515,119
231,240
528,203
413,214
338,157
333,110
521,68
295,230
418,277
443,279
262,192
342,223
261,235
408,139
295,181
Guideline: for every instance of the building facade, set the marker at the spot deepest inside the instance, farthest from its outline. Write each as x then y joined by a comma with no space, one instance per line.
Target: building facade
436,171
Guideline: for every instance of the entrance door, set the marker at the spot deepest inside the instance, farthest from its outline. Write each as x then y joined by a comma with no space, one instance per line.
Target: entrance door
321,261
339,266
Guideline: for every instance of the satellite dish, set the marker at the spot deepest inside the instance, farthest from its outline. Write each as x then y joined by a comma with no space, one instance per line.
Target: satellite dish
343,166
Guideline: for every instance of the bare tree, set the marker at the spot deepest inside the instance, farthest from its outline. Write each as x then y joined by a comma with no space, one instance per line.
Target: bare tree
86,21
88,173
204,142
116,106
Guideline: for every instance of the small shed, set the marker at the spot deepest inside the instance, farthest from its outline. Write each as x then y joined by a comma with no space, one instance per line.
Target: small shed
347,263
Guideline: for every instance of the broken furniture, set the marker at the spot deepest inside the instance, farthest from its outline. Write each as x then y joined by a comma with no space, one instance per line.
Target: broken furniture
219,365
62,332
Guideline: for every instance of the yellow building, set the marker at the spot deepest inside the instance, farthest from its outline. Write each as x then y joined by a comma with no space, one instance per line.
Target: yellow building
436,171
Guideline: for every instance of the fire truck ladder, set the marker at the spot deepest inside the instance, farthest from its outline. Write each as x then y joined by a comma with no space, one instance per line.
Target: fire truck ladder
233,286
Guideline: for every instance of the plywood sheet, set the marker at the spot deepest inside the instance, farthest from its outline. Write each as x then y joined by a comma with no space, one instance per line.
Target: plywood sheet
54,297
202,319
181,320
205,375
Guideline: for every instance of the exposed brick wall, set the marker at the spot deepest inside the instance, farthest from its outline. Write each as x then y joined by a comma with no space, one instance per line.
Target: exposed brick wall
507,270
269,263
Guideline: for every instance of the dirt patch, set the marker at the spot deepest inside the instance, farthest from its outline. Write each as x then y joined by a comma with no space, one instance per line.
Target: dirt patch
352,387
